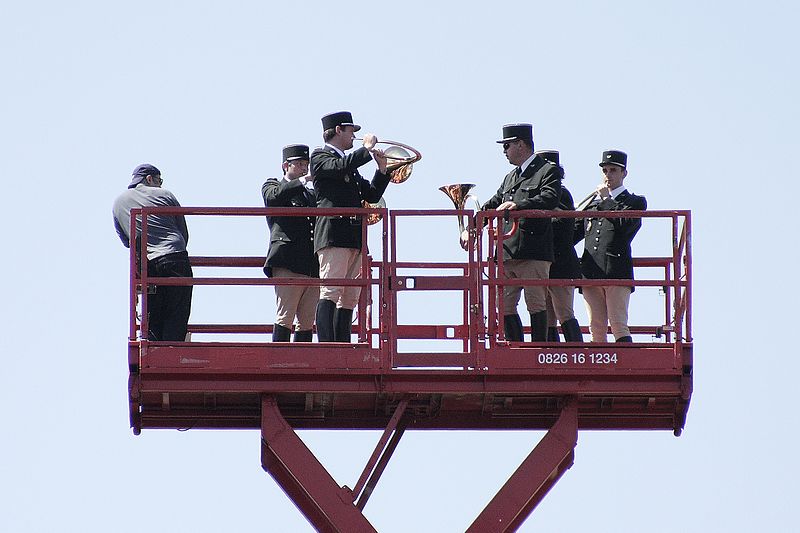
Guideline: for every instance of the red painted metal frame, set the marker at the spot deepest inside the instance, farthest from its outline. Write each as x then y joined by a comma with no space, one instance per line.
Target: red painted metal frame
295,468
534,478
373,384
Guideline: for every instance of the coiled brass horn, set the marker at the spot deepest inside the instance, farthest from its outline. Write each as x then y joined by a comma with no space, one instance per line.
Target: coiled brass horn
400,159
374,218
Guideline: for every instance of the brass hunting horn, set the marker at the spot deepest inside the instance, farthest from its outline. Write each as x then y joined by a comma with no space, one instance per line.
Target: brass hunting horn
399,164
374,218
459,194
400,159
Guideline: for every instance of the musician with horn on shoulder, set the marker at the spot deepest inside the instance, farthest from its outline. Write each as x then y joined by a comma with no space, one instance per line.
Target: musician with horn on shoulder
607,249
337,239
534,183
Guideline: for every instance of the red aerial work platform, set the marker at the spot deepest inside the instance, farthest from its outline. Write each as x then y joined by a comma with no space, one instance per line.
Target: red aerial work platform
488,383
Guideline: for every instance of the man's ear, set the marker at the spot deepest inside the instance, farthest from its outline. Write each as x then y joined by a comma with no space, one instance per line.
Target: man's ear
285,167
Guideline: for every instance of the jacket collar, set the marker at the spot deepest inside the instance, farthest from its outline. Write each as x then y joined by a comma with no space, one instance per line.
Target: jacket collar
332,149
534,165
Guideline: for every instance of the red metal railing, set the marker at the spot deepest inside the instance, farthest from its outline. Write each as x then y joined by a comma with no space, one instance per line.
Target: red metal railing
477,280
676,280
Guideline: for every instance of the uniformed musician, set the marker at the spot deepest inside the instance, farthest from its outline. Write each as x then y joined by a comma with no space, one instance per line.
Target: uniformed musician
337,239
607,249
291,248
534,183
560,299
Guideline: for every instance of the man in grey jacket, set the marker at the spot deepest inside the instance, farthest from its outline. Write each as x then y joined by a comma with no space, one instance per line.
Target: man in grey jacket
168,307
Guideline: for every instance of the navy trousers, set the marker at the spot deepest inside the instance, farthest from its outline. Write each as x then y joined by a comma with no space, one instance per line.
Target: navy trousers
168,307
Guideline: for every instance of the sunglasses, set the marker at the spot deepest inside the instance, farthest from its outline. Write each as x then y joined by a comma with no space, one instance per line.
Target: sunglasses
507,144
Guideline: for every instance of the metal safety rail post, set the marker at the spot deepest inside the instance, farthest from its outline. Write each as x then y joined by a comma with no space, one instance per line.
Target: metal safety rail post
372,384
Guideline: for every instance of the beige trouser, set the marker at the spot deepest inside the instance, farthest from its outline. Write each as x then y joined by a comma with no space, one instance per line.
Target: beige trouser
295,300
607,305
560,302
340,263
535,299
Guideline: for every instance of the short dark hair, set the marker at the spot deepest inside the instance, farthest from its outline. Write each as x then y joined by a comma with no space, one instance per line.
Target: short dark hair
329,134
528,143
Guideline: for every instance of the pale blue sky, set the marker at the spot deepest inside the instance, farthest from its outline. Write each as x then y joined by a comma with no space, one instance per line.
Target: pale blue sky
703,97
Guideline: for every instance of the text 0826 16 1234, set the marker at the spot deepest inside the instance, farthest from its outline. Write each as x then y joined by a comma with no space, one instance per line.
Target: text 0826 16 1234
578,358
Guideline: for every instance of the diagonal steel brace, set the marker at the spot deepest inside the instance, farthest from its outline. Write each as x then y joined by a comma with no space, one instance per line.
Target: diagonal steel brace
328,507
537,474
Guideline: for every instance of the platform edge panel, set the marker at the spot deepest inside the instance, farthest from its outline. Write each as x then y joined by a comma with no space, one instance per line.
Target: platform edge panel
264,357
462,413
268,358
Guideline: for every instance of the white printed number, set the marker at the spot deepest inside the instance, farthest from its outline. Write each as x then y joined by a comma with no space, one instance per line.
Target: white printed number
577,358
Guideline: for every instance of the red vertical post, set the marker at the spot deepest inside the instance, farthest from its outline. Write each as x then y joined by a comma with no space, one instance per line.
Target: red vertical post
144,324
676,283
478,325
133,276
389,296
688,275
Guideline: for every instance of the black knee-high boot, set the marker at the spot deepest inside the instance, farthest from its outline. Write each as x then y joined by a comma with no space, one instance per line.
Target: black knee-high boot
342,324
552,334
572,330
626,338
324,319
303,336
539,326
512,326
281,333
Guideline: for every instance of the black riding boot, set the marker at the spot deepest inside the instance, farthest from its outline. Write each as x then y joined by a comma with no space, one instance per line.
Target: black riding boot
512,326
342,324
539,326
552,334
572,330
324,319
626,338
302,336
281,334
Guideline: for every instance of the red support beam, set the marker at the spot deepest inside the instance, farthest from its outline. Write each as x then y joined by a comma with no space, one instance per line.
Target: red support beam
381,466
302,477
380,448
534,478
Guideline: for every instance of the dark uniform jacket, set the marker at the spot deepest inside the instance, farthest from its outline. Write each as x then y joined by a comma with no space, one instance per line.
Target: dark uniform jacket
291,238
607,246
338,184
566,264
537,188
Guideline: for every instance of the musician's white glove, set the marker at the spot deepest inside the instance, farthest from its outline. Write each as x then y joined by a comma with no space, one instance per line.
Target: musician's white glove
465,240
370,141
380,159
